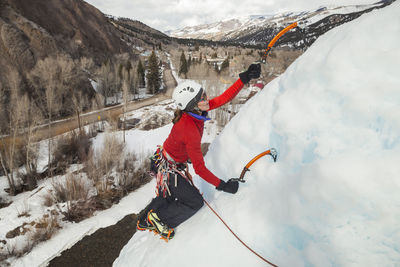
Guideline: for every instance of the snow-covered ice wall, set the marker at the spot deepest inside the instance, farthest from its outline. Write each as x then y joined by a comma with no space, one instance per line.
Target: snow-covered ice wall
332,198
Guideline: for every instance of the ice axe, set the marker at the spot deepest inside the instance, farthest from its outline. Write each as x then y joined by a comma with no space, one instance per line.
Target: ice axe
273,41
272,152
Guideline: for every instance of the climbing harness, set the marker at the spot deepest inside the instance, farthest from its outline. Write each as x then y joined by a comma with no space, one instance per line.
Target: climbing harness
166,168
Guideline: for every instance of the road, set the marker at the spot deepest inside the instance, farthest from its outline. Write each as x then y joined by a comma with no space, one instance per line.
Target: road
115,111
69,124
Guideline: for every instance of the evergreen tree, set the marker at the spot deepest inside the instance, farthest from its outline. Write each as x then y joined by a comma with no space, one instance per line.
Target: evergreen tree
153,75
140,74
183,69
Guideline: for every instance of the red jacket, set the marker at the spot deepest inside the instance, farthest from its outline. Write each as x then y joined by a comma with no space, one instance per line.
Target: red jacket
184,140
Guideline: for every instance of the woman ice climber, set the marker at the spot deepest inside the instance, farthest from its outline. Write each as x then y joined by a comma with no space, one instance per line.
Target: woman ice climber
177,199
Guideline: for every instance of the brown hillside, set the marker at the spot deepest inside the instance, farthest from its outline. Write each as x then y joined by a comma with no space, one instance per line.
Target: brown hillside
33,30
72,25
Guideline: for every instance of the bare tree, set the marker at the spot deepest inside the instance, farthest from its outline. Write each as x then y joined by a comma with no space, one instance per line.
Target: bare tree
3,132
133,81
128,83
104,161
57,76
201,71
79,101
107,81
3,111
51,99
125,99
31,118
10,145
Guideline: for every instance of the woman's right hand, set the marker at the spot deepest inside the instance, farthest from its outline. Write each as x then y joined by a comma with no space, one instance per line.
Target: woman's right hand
203,105
231,186
253,72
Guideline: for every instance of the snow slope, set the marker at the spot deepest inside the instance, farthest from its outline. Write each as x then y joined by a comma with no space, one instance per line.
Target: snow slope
332,198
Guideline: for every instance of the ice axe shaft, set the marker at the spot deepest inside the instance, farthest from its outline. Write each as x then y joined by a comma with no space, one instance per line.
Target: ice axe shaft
272,152
273,41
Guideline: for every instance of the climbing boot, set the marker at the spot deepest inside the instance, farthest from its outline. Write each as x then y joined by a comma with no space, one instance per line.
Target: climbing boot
143,224
161,228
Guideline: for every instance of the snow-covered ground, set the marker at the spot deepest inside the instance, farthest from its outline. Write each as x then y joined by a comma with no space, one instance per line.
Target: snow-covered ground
332,198
138,141
73,232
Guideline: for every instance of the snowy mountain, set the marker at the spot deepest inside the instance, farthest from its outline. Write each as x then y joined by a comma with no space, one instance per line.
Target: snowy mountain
332,197
256,29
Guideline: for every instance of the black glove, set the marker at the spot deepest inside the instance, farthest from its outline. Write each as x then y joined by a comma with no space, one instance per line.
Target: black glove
231,186
253,72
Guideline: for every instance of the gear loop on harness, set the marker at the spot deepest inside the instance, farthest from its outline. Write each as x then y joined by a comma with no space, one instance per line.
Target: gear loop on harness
164,166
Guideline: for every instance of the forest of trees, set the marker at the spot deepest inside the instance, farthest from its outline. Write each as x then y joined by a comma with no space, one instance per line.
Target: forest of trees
186,64
60,87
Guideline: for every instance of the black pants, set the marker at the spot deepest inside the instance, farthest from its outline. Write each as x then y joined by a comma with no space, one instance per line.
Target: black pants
184,202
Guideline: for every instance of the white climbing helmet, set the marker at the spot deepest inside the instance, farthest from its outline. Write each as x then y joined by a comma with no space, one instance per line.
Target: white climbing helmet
187,95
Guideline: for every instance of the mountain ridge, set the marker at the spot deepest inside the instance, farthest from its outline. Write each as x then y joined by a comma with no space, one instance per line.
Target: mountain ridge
256,29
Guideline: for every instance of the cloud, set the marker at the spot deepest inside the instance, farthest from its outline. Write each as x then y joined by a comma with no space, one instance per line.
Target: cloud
173,14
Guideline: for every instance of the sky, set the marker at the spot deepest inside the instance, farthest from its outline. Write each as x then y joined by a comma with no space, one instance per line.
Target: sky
174,14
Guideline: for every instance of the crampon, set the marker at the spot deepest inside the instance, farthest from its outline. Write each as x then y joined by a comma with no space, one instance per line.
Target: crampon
160,228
